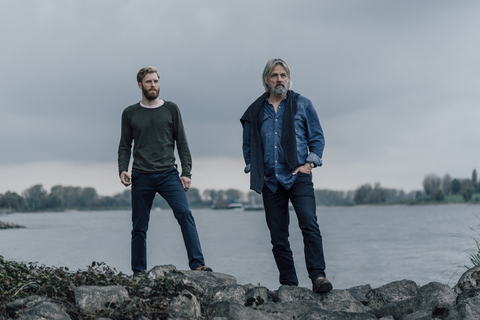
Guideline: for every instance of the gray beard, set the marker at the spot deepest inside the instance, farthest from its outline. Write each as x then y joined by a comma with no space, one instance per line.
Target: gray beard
278,91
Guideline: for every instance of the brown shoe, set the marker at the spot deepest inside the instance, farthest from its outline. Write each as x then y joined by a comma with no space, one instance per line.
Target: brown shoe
321,285
204,268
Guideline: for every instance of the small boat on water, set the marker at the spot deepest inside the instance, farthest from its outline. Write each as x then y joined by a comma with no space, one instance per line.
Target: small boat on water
250,207
253,206
227,205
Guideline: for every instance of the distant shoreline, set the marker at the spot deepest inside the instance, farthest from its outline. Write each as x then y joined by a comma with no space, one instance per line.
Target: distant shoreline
9,225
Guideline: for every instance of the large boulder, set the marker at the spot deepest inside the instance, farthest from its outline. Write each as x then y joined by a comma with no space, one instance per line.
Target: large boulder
160,271
467,309
234,311
437,298
93,298
232,293
21,304
256,296
202,281
312,309
434,298
9,225
185,306
44,310
392,292
336,300
360,293
469,280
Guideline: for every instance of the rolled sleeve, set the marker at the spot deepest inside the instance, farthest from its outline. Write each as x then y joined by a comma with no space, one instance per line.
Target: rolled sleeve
313,157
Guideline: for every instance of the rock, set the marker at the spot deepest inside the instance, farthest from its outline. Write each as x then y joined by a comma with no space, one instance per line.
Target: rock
185,306
336,300
44,310
342,300
360,293
160,271
467,309
233,293
93,298
221,298
235,311
25,303
470,279
9,225
311,309
419,315
256,296
466,294
202,280
321,314
291,293
437,298
391,292
398,309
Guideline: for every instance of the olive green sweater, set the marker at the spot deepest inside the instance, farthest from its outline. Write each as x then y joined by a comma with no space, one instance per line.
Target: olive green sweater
154,133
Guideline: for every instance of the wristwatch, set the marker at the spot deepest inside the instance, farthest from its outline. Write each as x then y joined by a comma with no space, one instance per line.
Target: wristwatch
312,165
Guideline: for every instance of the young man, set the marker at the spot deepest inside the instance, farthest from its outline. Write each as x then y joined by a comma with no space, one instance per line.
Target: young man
282,142
155,125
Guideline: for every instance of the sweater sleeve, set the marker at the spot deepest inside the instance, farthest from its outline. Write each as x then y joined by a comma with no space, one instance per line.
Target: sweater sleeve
125,146
182,144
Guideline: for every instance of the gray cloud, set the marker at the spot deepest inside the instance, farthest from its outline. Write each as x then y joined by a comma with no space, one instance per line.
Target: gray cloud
385,77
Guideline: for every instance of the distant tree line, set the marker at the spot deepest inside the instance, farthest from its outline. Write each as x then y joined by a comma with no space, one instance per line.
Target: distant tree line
435,189
60,198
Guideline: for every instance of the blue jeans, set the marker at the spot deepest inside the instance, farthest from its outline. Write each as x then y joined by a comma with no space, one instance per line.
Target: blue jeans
302,196
169,186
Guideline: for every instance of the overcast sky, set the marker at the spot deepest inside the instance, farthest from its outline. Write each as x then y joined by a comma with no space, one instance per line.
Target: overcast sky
395,84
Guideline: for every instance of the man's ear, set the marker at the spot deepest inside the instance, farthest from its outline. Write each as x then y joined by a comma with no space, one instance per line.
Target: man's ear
140,85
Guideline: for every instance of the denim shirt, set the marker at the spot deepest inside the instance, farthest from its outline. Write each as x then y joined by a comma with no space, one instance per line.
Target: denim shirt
309,138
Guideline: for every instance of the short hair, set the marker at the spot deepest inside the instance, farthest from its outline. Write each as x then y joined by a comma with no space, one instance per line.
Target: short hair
144,71
268,70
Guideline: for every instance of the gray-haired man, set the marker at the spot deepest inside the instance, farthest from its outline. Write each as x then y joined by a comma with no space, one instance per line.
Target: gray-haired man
282,142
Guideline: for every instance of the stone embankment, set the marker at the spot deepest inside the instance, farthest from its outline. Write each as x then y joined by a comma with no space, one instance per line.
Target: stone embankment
218,296
9,225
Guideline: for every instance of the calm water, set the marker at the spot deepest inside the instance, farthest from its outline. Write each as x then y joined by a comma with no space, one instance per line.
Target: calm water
363,245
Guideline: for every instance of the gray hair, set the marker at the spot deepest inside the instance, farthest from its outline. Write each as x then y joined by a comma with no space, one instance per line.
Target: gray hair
268,70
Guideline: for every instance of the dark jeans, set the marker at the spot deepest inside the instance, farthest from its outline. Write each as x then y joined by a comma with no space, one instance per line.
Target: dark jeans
169,186
302,196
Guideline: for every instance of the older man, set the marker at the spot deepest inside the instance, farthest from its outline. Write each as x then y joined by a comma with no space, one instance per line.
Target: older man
282,142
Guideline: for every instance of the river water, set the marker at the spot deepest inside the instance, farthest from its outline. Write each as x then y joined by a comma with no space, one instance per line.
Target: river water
363,244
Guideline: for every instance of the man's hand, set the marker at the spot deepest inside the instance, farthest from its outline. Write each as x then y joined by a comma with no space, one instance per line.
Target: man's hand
125,179
186,183
306,168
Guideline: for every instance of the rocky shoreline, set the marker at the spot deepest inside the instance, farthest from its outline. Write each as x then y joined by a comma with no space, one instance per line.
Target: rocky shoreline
217,296
9,225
